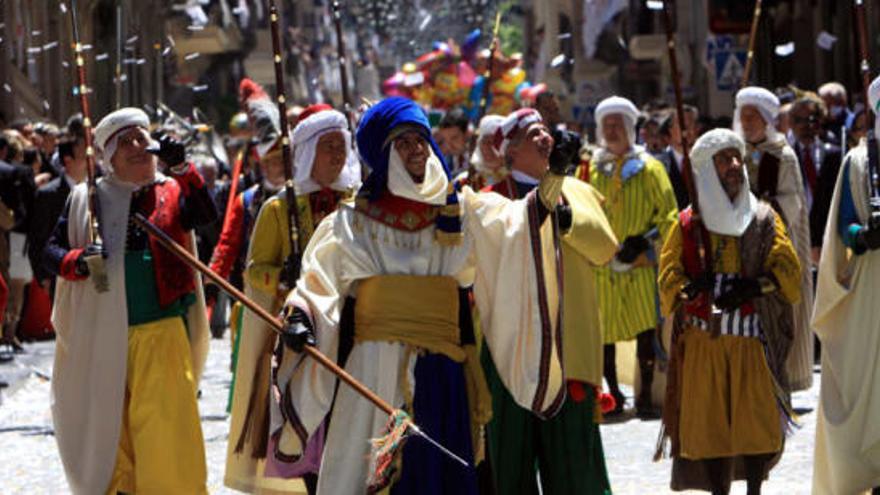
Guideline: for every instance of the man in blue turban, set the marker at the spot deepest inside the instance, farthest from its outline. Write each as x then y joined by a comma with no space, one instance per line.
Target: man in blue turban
395,266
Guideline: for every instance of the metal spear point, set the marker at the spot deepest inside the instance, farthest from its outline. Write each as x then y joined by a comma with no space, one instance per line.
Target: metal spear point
415,429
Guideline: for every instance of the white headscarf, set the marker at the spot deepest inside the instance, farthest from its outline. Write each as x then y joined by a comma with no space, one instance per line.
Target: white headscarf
433,188
617,105
767,105
305,141
488,125
113,125
718,213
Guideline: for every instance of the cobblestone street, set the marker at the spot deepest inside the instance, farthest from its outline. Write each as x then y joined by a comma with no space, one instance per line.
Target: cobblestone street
29,462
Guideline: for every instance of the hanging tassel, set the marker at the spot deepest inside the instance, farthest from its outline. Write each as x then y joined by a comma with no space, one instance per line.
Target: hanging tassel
384,451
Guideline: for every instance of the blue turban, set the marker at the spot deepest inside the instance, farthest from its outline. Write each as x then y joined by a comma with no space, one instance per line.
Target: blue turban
372,135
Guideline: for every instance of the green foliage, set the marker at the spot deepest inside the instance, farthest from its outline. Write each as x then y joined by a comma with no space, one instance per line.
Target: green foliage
510,32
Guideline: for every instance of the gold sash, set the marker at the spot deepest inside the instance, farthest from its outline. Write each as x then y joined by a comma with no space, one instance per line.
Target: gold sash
422,312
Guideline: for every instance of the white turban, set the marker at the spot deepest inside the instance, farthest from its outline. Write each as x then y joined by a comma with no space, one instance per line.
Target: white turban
113,125
621,106
488,126
719,214
874,100
305,141
765,102
517,120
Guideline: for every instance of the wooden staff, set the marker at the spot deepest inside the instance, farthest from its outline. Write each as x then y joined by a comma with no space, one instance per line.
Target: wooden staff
865,69
290,273
756,17
277,326
489,75
98,272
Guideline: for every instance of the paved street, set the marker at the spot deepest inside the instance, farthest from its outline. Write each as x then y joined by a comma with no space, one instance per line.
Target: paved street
29,462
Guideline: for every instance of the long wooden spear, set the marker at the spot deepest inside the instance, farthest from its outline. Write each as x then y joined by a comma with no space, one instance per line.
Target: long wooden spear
343,69
278,327
489,75
865,69
292,265
750,55
97,269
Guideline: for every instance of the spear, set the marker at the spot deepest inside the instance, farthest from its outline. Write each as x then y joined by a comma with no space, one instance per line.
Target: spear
752,35
96,263
343,69
490,69
278,327
292,265
120,53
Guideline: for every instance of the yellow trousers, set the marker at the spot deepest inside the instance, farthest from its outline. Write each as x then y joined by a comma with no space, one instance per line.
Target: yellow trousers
161,449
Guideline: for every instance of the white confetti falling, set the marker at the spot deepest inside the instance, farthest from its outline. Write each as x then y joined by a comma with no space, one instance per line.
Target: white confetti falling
192,56
87,48
557,60
785,49
64,64
63,7
654,4
195,27
35,49
564,36
7,87
425,22
140,61
131,40
200,88
46,105
170,41
166,51
101,57
36,32
50,45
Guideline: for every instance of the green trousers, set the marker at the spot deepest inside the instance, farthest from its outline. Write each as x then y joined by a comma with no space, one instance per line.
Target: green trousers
566,449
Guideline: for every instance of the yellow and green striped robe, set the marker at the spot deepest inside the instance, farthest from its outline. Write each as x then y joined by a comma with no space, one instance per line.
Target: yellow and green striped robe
628,300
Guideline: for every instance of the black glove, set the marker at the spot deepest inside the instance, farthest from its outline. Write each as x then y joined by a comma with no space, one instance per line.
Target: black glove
868,238
704,283
563,216
171,151
298,331
82,267
736,292
633,246
566,146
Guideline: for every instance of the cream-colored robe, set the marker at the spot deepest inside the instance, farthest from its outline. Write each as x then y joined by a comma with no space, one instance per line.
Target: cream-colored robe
91,347
347,247
791,198
847,320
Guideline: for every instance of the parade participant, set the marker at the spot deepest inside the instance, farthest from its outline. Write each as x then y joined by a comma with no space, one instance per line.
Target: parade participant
124,381
567,448
487,167
834,96
326,172
775,177
452,136
398,261
727,394
847,458
639,200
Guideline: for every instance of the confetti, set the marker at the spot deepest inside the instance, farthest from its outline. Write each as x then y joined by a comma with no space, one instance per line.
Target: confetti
35,49
7,87
654,4
826,40
36,32
50,45
425,22
170,40
557,60
563,36
166,51
63,7
86,48
195,27
64,64
140,61
101,57
785,49
131,40
200,88
192,56
46,105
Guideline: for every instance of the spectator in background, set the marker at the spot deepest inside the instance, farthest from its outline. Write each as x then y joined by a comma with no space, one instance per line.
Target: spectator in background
783,122
452,136
49,135
672,157
51,199
819,161
834,96
655,141
856,126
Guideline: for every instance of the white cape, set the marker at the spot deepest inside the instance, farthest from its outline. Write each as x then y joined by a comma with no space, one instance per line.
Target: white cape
88,378
847,320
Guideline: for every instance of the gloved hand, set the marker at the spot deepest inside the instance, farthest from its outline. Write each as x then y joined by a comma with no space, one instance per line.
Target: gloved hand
171,151
868,238
633,246
563,216
704,283
567,145
736,292
82,266
298,331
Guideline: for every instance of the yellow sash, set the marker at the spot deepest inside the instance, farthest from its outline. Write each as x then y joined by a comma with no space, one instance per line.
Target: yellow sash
422,312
